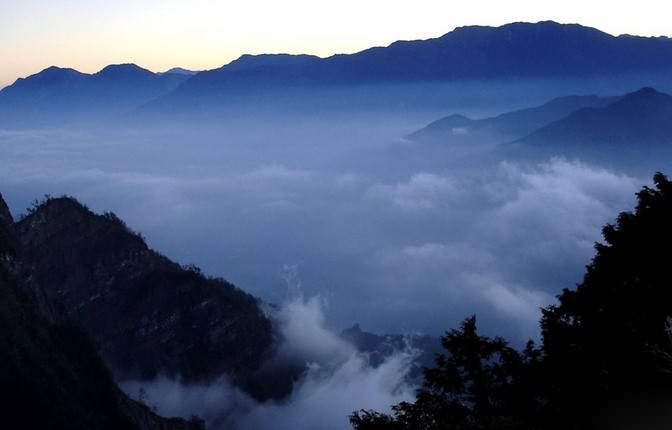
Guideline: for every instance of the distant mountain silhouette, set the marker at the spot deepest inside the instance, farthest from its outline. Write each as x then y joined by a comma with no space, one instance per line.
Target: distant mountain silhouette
518,50
282,63
513,51
640,118
116,73
458,129
179,71
57,95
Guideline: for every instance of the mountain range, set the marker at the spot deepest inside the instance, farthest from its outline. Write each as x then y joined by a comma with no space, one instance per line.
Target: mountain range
643,117
513,51
457,129
61,95
598,128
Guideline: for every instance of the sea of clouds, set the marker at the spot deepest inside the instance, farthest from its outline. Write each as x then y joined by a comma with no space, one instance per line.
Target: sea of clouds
400,237
397,236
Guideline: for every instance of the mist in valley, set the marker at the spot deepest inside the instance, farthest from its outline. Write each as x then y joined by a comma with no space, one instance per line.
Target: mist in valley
424,234
370,227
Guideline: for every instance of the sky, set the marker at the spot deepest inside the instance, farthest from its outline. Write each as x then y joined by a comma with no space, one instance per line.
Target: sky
204,34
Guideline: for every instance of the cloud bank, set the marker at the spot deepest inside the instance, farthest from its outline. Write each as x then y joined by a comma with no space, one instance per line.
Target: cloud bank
399,238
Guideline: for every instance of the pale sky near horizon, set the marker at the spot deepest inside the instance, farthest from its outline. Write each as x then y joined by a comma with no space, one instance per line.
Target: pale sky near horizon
204,34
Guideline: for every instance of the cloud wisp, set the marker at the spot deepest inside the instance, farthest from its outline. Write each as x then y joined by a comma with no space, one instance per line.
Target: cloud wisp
337,381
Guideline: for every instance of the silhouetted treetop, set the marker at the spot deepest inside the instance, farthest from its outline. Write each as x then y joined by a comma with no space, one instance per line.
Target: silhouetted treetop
606,356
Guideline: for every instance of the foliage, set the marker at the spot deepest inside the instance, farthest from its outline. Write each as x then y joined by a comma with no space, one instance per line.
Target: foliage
480,383
609,339
606,350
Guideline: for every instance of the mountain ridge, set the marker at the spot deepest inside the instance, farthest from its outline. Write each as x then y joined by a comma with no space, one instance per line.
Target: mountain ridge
459,129
148,315
515,51
512,51
57,95
50,373
640,117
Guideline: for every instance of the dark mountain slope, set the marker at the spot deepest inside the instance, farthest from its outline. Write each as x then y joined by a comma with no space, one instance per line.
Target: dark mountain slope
50,374
8,242
458,129
148,315
640,118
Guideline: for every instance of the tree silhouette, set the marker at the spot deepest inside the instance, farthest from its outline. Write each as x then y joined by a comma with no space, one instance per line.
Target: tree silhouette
606,356
480,383
608,341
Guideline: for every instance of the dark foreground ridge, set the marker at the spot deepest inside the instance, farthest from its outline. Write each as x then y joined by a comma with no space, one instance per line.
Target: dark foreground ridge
51,376
148,315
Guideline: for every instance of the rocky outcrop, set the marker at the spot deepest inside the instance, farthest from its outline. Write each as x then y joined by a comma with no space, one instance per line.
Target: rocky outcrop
51,376
147,314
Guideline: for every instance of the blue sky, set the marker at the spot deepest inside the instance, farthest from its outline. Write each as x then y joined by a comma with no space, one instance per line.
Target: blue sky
201,34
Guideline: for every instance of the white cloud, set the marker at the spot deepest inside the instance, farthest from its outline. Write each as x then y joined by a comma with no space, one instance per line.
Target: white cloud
338,381
422,192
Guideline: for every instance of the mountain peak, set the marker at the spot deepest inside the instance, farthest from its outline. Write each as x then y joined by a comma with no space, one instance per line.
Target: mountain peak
94,265
248,61
645,92
63,203
643,117
54,73
55,70
180,71
521,26
646,97
66,213
123,70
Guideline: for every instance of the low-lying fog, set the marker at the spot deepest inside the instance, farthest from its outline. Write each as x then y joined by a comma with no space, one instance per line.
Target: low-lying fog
398,236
